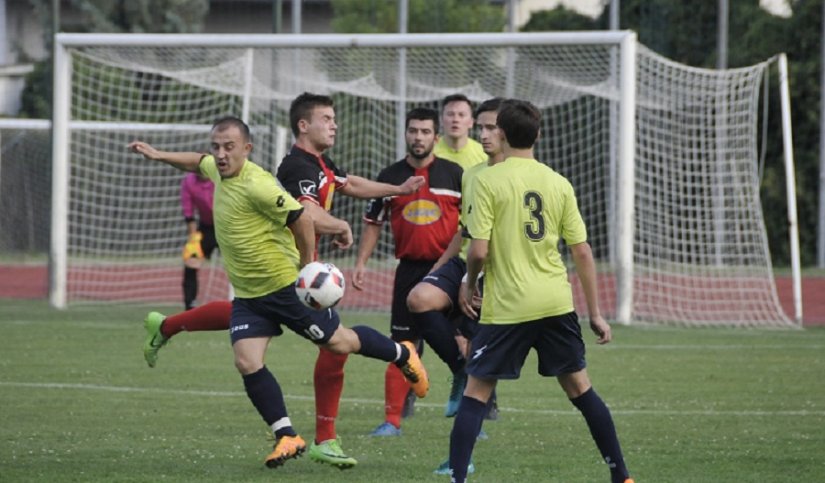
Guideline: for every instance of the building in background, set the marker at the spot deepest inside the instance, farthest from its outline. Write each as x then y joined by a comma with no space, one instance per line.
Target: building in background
22,39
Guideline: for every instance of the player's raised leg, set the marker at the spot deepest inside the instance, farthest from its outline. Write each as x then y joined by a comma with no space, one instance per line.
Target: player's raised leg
160,328
430,302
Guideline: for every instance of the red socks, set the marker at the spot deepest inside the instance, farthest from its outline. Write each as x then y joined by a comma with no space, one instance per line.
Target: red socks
395,392
329,383
212,316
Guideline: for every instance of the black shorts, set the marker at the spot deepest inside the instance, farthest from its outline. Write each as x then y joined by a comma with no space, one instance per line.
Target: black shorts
208,242
407,275
499,351
263,317
448,279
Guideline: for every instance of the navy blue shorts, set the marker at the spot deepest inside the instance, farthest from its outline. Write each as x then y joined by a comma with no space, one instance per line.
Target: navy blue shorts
407,275
263,317
499,351
448,278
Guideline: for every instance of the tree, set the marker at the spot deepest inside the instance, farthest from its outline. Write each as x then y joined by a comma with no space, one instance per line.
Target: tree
380,16
687,32
559,18
802,33
107,16
142,16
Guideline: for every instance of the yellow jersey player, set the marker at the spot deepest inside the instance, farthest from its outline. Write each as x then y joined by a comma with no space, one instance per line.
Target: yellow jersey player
258,225
455,144
519,211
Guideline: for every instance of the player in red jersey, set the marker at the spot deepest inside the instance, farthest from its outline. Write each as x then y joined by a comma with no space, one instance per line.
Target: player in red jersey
423,224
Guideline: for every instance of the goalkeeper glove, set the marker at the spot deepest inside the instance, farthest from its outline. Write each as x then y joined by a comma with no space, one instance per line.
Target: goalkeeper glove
192,248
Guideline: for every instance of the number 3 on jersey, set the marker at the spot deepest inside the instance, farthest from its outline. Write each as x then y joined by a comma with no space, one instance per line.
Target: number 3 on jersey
534,229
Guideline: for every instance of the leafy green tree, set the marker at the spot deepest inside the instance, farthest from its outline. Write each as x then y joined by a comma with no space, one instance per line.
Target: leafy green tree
425,16
559,18
687,32
802,33
107,16
35,100
141,16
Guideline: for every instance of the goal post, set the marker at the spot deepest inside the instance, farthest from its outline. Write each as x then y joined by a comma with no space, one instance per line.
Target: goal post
633,132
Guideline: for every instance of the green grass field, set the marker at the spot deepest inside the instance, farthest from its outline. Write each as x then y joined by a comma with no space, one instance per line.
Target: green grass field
77,403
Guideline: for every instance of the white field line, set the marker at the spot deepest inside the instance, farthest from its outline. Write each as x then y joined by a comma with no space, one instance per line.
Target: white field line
591,346
419,403
708,347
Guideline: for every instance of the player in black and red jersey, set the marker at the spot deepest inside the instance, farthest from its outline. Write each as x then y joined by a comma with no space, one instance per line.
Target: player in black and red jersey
311,177
423,224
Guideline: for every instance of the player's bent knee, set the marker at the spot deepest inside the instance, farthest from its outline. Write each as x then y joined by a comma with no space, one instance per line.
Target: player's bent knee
574,384
246,365
425,297
343,341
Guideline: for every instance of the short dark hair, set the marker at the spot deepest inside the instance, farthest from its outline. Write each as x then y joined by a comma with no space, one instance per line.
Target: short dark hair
456,98
232,121
520,121
422,114
302,106
489,105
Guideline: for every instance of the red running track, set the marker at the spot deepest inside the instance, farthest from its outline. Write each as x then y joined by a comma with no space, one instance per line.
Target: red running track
30,282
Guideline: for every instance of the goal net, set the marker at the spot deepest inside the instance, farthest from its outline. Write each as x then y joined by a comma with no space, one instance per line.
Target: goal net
672,206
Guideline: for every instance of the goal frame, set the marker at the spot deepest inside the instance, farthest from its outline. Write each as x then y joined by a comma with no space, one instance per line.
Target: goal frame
625,79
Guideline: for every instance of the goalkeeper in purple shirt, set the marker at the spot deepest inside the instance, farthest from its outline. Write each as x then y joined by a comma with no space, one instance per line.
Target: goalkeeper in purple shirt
196,194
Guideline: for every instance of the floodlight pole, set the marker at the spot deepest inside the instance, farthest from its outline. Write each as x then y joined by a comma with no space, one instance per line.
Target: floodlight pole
614,14
820,234
613,134
277,9
401,105
510,80
296,16
722,38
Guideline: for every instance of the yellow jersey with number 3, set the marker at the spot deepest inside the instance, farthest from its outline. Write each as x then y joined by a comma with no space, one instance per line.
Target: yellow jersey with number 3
523,208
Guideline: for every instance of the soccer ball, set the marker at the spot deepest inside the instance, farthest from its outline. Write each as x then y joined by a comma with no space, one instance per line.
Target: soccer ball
320,285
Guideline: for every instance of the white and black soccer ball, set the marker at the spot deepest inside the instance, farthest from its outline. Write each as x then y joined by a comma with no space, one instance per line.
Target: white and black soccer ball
320,285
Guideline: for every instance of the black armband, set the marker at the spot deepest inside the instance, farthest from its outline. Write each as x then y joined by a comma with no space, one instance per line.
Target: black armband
293,215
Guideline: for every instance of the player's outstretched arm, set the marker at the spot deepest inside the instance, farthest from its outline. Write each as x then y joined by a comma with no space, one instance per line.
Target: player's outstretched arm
363,188
185,161
369,238
586,270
